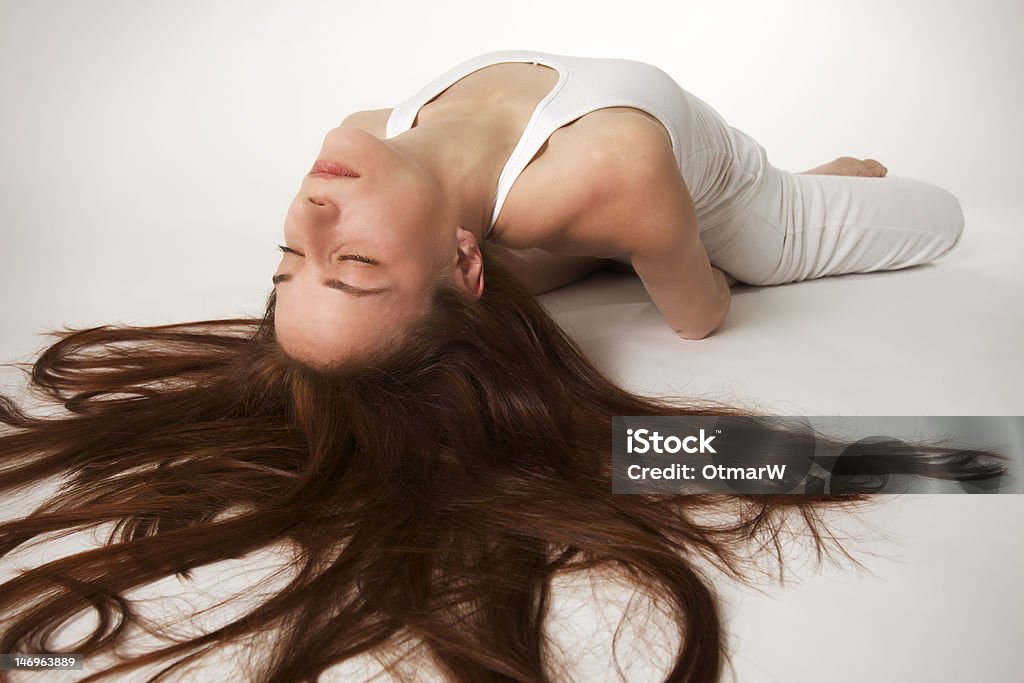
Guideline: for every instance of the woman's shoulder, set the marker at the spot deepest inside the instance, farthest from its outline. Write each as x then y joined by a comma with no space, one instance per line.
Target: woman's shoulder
590,180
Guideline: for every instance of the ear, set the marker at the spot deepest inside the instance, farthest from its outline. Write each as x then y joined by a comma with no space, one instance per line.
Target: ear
469,270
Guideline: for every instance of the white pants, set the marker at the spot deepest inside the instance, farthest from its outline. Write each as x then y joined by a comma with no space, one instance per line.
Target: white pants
794,227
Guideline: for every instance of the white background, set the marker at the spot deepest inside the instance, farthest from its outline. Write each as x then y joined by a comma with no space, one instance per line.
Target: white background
149,151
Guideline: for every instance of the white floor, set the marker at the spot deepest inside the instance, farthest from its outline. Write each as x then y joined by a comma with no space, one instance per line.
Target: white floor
150,150
942,597
944,338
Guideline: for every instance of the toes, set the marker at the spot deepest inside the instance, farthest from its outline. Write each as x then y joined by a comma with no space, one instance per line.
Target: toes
875,168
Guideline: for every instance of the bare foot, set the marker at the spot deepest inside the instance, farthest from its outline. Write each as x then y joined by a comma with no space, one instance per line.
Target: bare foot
868,168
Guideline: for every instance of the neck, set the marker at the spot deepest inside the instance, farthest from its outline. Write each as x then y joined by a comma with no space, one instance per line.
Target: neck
465,157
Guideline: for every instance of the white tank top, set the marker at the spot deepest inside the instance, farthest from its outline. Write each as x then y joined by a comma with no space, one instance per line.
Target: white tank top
589,83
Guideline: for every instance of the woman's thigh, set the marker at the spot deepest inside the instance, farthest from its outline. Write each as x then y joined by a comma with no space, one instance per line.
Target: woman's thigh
798,227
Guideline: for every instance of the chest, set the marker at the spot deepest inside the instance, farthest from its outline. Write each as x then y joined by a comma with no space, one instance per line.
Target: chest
548,200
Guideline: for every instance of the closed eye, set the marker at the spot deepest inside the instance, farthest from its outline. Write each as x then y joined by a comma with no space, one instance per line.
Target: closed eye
342,257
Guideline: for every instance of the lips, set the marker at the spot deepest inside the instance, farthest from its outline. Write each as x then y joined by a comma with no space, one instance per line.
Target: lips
325,167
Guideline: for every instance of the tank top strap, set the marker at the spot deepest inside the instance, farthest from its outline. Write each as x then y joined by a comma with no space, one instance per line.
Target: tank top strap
584,85
537,130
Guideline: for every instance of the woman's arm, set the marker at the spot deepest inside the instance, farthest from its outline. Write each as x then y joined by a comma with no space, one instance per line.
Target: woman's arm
636,203
691,294
656,215
729,279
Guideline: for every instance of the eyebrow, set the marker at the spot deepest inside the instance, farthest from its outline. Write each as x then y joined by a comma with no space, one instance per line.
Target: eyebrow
337,284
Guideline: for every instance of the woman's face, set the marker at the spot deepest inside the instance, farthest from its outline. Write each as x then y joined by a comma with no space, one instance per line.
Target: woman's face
362,252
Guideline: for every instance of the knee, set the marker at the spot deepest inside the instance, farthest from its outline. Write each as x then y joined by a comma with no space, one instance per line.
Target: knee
956,221
953,223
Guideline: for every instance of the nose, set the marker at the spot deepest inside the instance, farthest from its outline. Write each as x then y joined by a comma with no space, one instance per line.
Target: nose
316,210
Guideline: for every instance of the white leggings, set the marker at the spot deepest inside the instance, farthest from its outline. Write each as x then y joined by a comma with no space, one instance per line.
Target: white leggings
766,226
800,226
795,227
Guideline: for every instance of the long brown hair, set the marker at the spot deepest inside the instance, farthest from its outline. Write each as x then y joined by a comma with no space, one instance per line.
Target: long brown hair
430,494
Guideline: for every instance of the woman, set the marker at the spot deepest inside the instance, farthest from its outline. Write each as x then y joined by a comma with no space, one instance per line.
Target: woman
430,451
562,164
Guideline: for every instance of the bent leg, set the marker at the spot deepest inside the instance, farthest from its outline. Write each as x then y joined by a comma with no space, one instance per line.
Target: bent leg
831,225
763,225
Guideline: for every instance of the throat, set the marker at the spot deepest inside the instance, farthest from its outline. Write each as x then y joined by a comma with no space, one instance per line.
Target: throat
479,121
476,149
465,154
